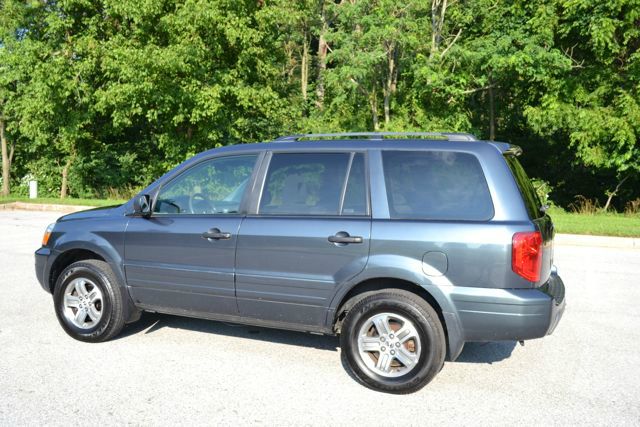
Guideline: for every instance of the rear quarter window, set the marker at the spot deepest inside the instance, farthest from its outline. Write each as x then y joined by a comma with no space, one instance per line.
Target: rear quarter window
438,185
529,196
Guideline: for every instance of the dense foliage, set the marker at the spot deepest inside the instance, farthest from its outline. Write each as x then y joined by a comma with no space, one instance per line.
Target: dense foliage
99,97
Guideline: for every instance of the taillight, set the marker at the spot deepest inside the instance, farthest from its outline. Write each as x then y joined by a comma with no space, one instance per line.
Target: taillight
526,255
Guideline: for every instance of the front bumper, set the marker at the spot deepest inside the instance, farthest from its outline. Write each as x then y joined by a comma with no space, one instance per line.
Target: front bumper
509,314
42,257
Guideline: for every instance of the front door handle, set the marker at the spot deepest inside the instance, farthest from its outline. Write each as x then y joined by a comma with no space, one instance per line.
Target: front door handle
344,238
216,234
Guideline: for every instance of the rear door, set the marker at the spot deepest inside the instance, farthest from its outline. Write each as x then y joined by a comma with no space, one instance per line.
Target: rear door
182,257
309,234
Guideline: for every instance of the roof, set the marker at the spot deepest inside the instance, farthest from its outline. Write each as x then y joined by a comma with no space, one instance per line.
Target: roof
368,140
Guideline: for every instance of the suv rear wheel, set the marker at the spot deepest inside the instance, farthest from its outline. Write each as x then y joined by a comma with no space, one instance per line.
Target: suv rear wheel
393,342
88,301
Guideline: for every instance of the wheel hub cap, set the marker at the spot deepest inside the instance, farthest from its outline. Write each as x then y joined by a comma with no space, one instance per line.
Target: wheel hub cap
389,344
82,303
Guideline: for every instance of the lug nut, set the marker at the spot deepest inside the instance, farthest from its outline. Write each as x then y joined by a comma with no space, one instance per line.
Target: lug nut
393,352
383,348
382,339
397,344
391,336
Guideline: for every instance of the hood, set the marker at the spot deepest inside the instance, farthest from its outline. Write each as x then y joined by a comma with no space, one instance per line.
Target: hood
104,211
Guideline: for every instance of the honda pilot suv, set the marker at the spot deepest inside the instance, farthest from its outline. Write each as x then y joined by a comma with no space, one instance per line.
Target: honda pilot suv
407,246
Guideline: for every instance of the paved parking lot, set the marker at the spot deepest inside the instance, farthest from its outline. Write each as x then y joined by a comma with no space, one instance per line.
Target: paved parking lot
171,370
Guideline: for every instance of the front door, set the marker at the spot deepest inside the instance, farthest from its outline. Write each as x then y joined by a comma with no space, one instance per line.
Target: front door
310,234
182,257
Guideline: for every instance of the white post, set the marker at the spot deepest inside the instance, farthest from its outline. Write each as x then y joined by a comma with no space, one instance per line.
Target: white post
33,189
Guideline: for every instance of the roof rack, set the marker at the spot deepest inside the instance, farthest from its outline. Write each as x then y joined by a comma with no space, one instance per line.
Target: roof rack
448,136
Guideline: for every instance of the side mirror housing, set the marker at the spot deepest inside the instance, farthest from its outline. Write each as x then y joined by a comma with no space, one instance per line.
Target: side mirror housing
142,205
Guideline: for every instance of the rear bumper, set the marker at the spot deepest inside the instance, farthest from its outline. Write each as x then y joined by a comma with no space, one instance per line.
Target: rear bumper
554,288
509,314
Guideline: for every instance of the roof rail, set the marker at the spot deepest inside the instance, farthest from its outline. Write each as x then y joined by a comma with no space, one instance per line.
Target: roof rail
448,136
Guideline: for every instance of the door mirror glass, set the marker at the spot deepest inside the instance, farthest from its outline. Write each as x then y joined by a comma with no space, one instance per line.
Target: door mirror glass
142,205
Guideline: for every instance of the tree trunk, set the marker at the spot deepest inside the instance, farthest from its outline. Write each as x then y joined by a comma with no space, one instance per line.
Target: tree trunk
387,106
391,82
613,193
304,68
438,11
65,176
373,101
6,160
322,59
492,113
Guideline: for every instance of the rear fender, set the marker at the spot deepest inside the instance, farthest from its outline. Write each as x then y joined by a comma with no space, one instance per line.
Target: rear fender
409,270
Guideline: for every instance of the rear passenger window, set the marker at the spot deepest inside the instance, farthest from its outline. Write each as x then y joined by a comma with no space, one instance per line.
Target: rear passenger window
441,185
314,184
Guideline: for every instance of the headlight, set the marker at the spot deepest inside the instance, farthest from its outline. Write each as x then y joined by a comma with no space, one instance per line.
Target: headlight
47,234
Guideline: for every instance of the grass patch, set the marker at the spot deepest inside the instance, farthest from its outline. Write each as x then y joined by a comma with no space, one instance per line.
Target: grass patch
66,201
597,224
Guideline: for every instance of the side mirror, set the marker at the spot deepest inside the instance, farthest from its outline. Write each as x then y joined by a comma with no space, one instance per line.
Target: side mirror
142,205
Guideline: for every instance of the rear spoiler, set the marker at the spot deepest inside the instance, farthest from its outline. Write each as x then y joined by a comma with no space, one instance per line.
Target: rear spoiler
513,150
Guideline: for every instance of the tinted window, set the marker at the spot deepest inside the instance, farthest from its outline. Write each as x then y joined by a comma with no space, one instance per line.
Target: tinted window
211,187
436,185
355,196
306,184
529,195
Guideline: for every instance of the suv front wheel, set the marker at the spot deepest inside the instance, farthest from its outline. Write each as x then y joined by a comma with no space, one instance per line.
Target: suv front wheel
88,301
393,341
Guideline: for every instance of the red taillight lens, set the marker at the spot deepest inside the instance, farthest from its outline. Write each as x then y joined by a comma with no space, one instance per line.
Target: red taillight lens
526,255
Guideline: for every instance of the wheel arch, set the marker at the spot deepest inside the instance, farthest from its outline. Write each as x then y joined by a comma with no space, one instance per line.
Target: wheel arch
449,320
67,258
68,253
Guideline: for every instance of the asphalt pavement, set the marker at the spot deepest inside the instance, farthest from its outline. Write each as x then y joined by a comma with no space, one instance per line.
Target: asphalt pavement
171,370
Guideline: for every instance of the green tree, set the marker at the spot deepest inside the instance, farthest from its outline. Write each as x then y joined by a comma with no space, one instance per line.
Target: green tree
100,97
596,102
371,43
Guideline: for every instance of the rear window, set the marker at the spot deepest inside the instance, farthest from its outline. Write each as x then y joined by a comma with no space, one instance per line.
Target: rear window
440,185
529,195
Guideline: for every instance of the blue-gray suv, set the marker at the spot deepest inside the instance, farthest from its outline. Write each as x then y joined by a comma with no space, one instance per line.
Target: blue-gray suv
406,245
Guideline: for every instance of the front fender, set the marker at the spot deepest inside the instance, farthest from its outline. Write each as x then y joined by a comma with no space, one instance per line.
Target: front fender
100,247
106,239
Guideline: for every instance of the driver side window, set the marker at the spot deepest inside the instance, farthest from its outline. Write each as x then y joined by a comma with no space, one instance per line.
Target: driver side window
212,187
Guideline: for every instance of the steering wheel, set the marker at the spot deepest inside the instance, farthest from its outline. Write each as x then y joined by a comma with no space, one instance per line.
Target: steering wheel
205,204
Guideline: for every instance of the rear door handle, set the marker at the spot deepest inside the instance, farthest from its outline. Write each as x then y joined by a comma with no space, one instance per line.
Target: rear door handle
344,237
216,234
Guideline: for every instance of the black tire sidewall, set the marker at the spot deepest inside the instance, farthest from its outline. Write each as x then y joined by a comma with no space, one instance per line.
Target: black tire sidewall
96,276
429,339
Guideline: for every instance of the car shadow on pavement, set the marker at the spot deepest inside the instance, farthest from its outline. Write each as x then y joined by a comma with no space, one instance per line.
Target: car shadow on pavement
473,352
152,322
486,352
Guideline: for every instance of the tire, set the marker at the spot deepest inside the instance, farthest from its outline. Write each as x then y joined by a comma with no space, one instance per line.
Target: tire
383,360
88,301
